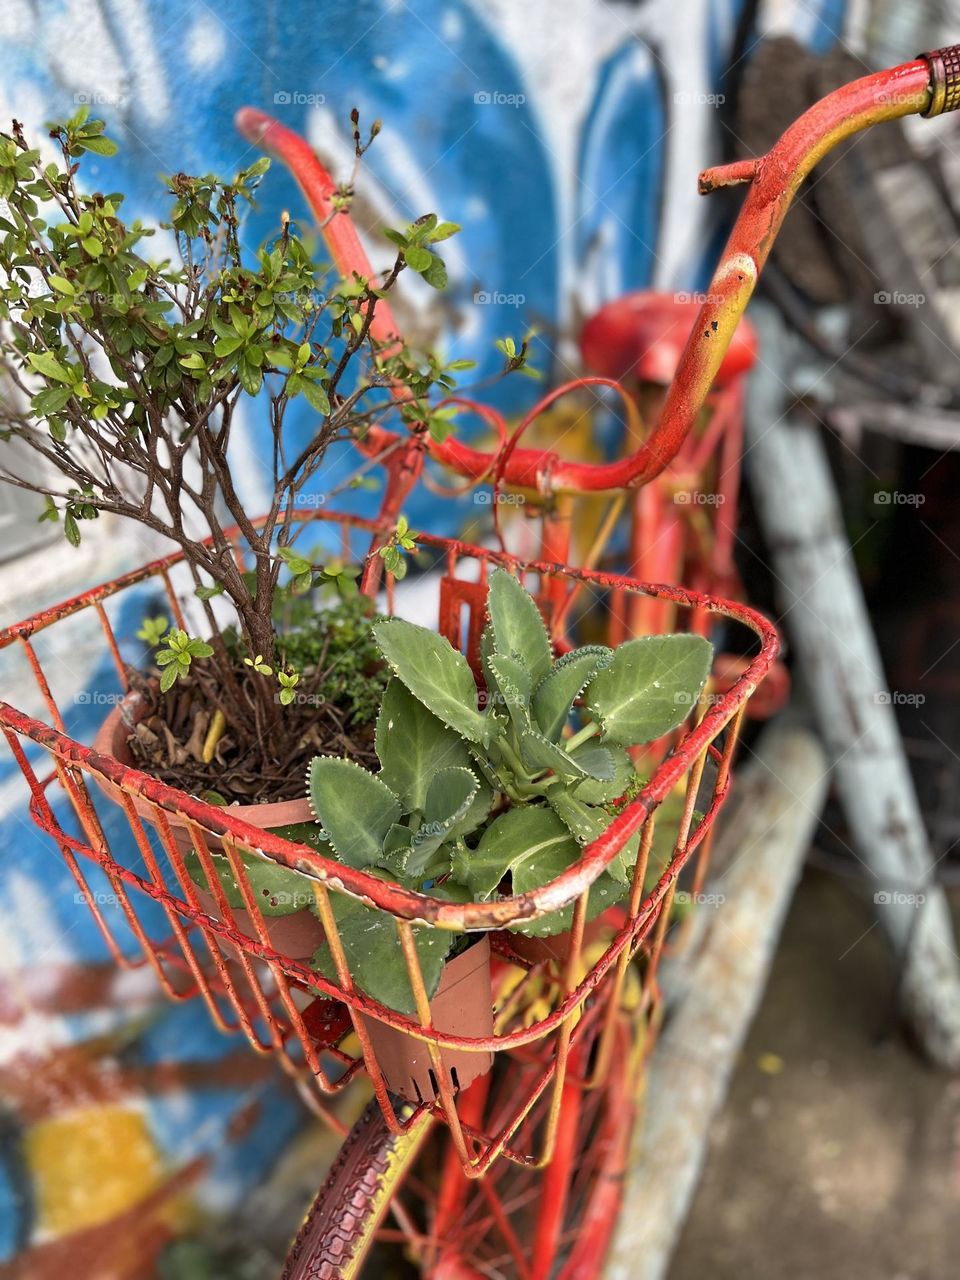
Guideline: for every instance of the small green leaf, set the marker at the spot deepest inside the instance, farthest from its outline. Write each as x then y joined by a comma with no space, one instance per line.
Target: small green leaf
169,675
100,146
47,364
436,273
224,347
315,396
251,377
443,232
295,562
418,258
71,529
51,400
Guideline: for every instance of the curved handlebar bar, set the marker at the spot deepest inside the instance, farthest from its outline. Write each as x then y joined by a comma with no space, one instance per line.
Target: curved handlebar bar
929,85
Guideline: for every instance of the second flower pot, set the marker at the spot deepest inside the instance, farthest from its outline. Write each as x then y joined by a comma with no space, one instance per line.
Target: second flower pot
462,1006
298,934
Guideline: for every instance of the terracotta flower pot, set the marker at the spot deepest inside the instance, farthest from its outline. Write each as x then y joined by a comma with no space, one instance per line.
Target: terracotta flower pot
463,1006
298,934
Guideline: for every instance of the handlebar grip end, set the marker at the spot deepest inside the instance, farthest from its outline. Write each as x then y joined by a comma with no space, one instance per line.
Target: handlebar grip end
944,80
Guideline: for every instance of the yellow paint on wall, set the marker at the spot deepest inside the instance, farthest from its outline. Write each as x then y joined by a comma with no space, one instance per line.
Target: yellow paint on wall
91,1165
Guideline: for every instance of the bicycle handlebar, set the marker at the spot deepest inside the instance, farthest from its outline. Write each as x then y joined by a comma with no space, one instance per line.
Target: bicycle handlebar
929,86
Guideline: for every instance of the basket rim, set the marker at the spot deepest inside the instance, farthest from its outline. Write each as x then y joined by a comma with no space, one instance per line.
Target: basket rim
406,904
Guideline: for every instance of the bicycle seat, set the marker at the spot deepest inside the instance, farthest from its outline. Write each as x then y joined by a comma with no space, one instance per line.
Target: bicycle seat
642,335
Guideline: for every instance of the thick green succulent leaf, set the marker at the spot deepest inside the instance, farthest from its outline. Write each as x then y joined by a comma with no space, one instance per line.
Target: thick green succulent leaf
538,847
604,892
484,762
412,745
649,687
596,791
411,866
477,810
435,673
596,760
355,809
514,687
557,692
278,890
449,798
538,752
487,648
397,840
669,814
518,629
310,833
526,834
372,950
451,891
586,822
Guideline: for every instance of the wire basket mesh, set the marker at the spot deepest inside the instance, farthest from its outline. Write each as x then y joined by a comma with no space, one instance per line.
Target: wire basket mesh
126,839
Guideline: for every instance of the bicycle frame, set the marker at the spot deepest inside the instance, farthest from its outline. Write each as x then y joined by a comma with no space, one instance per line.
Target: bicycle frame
927,85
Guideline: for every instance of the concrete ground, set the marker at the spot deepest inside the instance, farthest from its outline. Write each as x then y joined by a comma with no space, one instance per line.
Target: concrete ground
837,1154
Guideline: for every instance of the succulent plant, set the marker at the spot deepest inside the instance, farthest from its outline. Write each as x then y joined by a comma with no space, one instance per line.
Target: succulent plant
474,797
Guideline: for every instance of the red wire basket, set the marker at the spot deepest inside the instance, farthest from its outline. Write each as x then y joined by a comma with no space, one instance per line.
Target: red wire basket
209,950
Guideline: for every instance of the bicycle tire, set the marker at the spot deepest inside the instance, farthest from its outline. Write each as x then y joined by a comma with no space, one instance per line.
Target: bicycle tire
340,1225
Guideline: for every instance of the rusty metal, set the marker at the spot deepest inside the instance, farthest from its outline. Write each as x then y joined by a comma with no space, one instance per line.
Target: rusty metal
925,84
247,984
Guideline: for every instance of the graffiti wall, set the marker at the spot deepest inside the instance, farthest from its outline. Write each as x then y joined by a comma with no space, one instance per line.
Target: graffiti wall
565,137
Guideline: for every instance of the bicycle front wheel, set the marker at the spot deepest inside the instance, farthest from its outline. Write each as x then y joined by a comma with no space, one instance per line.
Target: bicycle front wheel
342,1222
516,1223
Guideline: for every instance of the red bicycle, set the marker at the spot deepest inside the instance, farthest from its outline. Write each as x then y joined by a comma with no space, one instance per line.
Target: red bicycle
524,1174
